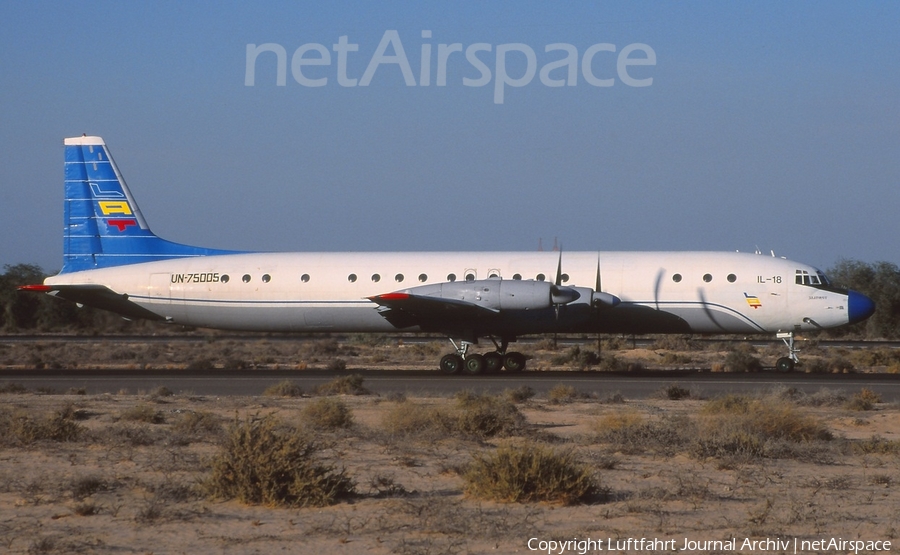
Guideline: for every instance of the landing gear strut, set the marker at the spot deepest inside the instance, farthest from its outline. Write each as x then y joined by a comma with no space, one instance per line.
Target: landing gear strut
474,363
786,364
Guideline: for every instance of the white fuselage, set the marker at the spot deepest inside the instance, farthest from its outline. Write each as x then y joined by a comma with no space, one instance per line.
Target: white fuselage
708,292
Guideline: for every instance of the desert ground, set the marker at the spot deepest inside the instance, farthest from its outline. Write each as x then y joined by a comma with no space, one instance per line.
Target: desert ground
141,471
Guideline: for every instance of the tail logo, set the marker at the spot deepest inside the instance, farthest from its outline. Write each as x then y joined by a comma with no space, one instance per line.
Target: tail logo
115,207
121,225
100,193
753,301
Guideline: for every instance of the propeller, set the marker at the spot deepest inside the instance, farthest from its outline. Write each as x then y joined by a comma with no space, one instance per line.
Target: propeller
598,297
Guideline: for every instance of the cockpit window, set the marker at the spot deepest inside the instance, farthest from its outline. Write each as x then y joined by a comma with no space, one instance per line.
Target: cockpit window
803,277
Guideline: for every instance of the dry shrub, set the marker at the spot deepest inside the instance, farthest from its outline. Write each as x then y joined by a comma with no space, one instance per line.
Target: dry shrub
674,392
263,462
142,413
197,424
877,445
414,419
486,416
577,357
20,428
474,416
864,400
85,486
883,356
741,361
631,433
13,388
837,365
520,394
344,385
767,418
740,427
673,343
328,413
286,388
528,474
562,394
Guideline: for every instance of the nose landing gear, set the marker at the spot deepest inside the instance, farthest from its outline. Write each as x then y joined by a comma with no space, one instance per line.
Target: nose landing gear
786,364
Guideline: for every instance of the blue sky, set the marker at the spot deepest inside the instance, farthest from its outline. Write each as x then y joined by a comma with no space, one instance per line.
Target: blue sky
768,124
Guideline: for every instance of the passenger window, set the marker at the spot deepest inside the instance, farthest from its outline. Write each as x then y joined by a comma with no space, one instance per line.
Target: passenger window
423,278
707,278
451,277
351,278
246,278
540,277
517,276
731,278
398,277
376,278
304,278
470,277
676,278
266,278
564,278
224,278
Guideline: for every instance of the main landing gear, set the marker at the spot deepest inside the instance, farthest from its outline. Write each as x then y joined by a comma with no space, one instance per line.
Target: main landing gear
786,364
475,363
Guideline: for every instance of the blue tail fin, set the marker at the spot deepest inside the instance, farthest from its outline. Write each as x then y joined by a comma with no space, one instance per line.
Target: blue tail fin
103,224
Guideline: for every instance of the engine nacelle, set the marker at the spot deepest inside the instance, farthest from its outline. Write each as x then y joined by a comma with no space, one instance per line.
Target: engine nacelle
501,294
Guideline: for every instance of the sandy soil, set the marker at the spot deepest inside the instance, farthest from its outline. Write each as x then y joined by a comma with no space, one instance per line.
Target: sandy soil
131,482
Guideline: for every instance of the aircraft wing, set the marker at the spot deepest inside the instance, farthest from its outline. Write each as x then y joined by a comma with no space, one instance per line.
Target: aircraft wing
405,309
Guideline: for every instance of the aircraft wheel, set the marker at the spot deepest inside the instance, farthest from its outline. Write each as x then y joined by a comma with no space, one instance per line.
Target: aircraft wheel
474,364
785,364
493,362
514,362
451,364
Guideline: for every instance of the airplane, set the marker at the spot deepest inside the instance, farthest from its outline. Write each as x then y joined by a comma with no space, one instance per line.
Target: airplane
113,261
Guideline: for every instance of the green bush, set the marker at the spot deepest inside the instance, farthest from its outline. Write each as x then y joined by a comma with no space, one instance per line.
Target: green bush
527,474
263,462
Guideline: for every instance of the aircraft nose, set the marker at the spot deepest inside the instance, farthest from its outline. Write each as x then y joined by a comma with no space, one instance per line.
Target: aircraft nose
859,306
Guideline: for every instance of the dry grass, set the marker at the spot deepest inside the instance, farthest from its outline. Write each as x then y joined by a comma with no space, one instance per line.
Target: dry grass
734,466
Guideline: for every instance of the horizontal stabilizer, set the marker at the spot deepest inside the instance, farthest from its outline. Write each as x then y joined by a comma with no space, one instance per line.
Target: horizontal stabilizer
97,296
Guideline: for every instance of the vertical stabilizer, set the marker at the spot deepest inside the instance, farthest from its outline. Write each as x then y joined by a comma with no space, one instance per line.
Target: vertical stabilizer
103,225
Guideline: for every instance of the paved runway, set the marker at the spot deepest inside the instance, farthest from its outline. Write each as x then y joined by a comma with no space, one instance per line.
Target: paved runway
631,386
